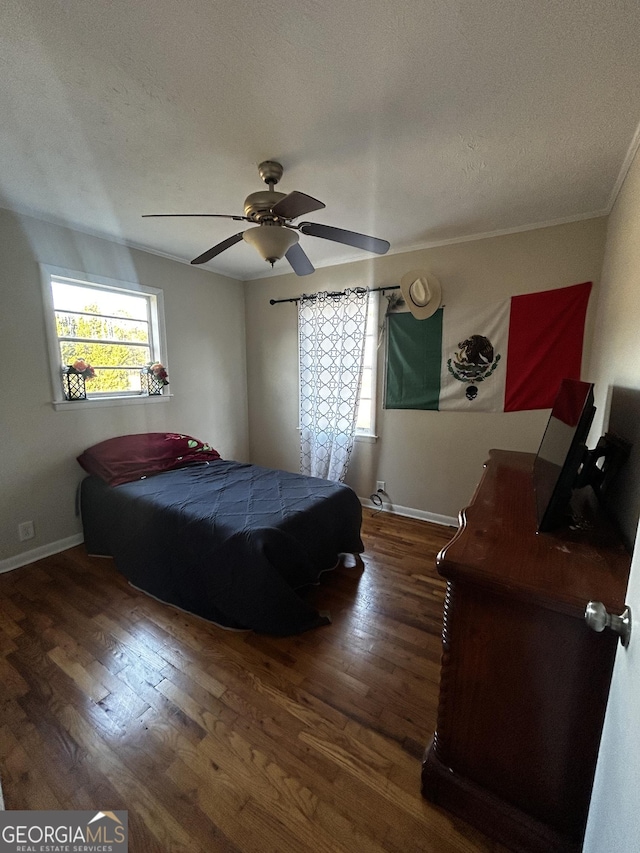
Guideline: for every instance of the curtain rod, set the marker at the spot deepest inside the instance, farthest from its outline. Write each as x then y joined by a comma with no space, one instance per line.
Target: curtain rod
337,293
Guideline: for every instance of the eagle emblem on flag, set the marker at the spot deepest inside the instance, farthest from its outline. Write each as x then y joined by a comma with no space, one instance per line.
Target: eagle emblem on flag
473,362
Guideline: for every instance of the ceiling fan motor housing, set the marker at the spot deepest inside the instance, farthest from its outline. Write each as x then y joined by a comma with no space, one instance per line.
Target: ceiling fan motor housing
258,206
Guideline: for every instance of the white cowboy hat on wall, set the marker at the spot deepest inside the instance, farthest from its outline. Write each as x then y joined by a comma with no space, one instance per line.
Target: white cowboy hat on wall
422,293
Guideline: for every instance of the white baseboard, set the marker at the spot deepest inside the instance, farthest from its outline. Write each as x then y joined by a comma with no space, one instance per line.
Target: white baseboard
409,512
39,553
71,541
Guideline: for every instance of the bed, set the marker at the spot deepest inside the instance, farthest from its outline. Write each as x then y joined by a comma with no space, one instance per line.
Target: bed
231,542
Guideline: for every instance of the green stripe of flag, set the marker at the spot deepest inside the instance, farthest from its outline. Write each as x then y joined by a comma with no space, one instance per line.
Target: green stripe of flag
414,355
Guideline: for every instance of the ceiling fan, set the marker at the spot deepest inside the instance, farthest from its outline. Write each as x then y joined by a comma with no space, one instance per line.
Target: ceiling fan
274,234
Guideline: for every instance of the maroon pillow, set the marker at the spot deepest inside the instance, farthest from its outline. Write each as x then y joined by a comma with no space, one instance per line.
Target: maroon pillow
129,457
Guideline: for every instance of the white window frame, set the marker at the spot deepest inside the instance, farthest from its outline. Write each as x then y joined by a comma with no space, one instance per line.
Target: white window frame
157,334
371,334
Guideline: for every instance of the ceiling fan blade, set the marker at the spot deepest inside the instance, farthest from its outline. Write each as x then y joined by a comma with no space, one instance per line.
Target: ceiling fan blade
296,204
215,215
299,261
216,250
350,238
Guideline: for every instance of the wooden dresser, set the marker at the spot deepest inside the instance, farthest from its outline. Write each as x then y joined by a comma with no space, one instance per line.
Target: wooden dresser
524,681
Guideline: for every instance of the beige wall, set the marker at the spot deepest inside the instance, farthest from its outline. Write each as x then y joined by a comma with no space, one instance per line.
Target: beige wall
614,818
615,355
206,359
431,461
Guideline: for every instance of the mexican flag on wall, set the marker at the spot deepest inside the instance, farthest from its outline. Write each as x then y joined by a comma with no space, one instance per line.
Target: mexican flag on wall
505,357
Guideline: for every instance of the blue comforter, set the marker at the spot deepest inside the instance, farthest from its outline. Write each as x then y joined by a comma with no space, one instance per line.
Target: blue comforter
231,542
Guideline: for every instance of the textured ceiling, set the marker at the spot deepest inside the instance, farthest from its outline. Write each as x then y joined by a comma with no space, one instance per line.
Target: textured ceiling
418,121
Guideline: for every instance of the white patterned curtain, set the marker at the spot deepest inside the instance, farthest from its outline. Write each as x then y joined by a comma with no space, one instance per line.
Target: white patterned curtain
331,343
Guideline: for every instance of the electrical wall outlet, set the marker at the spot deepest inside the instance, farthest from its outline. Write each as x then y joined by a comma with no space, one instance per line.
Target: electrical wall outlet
381,486
26,531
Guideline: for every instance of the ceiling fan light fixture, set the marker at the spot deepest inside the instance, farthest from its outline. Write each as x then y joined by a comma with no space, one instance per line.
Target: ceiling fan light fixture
271,241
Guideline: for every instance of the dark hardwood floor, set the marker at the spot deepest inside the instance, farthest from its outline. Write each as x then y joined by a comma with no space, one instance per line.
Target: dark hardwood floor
223,741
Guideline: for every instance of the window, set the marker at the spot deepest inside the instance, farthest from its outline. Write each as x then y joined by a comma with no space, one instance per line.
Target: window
116,327
366,422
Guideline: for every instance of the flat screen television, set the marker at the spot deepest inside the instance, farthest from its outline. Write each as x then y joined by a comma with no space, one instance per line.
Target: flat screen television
562,453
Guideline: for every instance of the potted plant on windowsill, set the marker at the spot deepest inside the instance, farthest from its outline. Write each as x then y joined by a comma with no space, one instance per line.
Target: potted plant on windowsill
154,378
74,377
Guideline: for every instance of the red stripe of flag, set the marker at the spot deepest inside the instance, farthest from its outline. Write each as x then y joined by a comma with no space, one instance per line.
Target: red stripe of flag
546,332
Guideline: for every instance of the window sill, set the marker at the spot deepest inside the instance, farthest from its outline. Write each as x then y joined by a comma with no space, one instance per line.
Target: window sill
76,405
363,436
